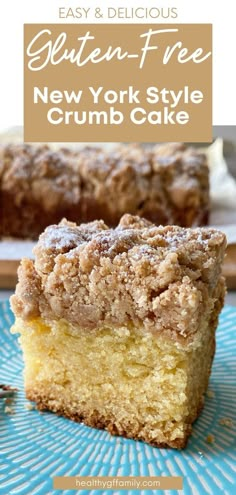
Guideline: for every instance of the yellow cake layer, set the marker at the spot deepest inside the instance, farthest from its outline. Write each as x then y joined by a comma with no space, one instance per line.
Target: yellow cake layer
131,382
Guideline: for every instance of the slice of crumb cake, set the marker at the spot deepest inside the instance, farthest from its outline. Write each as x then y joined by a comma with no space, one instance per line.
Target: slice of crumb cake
118,325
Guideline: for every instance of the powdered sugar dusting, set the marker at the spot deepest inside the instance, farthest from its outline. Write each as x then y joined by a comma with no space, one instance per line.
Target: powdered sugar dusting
135,232
61,237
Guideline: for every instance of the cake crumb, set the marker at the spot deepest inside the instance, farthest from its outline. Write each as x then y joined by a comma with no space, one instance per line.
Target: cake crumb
29,406
9,410
226,422
210,394
8,387
210,439
6,391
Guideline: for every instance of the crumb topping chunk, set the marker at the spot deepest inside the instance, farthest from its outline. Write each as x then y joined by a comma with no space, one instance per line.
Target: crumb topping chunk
162,278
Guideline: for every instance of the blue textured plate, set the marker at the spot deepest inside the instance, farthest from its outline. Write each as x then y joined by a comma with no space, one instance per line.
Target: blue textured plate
35,447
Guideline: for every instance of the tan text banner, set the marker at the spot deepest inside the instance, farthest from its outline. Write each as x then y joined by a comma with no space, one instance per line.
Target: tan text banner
121,82
118,483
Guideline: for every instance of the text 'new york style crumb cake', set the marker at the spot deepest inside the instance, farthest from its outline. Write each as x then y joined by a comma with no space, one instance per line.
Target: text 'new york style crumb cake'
118,325
167,184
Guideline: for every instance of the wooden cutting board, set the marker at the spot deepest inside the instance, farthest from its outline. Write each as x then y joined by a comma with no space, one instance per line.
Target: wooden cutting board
11,253
229,267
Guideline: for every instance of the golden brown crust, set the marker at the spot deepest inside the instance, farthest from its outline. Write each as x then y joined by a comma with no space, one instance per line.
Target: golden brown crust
95,420
166,184
160,278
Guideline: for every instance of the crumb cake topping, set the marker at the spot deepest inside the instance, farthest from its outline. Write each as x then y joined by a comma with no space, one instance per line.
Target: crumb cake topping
159,278
169,182
38,173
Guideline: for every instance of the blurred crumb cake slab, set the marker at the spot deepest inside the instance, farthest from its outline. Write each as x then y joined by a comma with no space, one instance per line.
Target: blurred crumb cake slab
167,184
118,325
